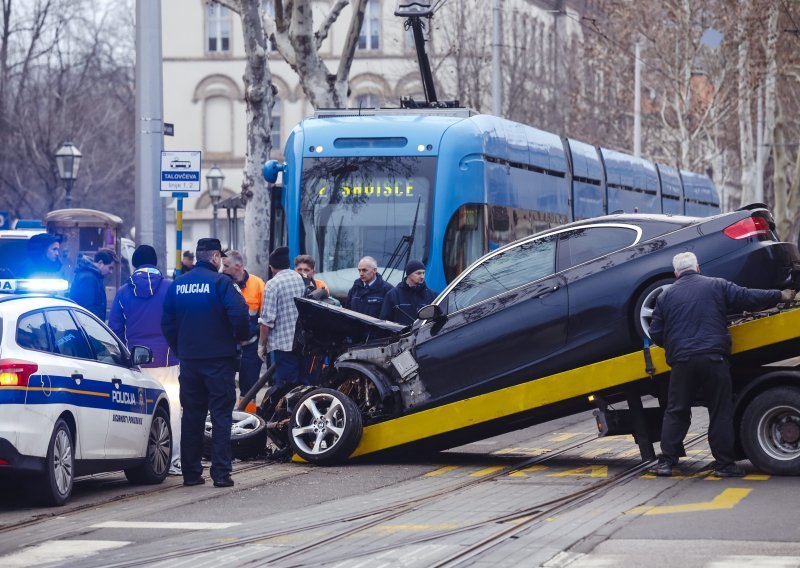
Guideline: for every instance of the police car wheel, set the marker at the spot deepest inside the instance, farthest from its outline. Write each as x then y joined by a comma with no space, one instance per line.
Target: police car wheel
770,431
248,435
155,467
645,304
54,486
325,427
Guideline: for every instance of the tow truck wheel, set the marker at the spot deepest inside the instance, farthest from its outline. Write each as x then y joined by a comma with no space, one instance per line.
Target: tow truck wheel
770,431
159,451
325,427
54,486
248,435
646,303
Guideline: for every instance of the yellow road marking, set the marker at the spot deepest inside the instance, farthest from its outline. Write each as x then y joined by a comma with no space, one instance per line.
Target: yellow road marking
696,475
756,477
588,471
630,453
442,470
487,471
522,451
564,436
524,472
596,452
728,499
406,528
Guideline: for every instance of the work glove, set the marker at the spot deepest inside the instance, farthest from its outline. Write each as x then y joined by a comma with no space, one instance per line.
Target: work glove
787,295
262,351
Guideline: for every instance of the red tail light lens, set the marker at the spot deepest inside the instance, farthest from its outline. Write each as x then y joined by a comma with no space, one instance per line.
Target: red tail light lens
16,373
749,227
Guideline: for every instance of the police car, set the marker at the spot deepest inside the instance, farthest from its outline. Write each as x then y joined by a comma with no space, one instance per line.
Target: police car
73,400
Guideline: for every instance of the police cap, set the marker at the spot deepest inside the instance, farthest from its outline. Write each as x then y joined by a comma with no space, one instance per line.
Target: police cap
209,245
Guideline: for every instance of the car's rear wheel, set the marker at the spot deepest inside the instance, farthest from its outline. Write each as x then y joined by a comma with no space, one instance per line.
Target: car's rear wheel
646,303
159,450
248,435
770,431
54,486
325,427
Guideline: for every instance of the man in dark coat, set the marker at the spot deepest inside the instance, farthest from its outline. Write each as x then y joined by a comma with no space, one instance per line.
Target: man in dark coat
690,322
404,300
87,287
367,294
43,261
205,318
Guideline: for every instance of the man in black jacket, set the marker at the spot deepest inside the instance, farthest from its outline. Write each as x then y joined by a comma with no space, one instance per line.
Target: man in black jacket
690,322
367,294
205,317
404,301
87,287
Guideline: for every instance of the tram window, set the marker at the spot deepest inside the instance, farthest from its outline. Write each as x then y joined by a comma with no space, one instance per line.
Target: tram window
583,245
463,240
505,271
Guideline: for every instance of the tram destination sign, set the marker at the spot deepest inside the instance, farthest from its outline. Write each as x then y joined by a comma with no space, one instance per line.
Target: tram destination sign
180,172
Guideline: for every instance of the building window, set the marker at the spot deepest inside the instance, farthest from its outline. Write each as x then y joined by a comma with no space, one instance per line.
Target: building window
218,24
218,126
275,133
370,35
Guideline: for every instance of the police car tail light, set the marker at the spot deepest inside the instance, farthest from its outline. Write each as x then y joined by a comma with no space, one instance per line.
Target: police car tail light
15,373
749,227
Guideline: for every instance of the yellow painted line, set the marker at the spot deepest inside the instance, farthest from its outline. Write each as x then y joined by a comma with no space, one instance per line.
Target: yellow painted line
442,470
697,475
756,477
524,472
487,471
539,393
588,471
728,499
529,452
630,453
596,452
564,436
415,528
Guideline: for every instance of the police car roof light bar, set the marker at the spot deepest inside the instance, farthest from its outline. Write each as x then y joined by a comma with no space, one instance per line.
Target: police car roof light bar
45,285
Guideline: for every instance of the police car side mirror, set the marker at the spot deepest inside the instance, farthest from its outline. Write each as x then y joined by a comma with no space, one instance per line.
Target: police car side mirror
141,355
430,312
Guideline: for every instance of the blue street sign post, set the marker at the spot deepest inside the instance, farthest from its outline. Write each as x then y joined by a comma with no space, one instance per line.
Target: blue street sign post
180,178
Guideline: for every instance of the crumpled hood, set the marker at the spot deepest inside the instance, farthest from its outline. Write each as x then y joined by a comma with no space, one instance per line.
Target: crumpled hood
145,281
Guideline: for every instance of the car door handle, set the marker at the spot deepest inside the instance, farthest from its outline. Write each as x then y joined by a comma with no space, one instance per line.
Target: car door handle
77,377
116,382
546,292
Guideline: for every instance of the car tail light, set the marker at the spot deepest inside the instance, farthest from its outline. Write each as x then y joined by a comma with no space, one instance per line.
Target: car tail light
15,373
749,227
3,462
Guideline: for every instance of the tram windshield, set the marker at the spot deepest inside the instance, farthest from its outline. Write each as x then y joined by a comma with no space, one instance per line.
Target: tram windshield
364,206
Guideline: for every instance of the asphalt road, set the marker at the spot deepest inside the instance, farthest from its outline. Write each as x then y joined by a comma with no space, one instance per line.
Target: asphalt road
551,495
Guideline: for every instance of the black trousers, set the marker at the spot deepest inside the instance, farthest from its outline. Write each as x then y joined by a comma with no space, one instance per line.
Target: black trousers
710,373
207,384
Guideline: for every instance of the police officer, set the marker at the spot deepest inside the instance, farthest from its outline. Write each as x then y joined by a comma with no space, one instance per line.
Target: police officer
205,317
690,322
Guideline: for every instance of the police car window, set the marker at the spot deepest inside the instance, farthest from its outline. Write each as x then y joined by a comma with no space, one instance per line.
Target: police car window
587,244
106,348
32,332
504,271
68,339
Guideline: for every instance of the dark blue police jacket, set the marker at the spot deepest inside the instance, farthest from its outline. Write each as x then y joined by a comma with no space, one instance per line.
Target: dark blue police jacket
205,316
368,300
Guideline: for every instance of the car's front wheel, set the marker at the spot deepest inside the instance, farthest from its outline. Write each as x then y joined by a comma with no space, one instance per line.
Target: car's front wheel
325,427
54,486
646,303
155,467
770,431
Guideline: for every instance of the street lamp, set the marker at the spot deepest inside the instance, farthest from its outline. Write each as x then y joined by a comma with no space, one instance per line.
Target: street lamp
214,179
68,159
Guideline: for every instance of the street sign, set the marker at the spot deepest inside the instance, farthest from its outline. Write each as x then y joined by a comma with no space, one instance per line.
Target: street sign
180,172
5,220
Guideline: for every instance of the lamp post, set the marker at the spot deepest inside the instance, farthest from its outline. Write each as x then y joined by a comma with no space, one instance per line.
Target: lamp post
68,159
214,179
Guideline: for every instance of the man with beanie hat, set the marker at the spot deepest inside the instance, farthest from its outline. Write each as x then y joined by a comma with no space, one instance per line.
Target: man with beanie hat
278,320
136,319
404,300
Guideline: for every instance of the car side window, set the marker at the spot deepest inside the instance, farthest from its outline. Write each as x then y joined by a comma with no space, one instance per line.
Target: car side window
68,339
512,268
106,348
583,245
32,332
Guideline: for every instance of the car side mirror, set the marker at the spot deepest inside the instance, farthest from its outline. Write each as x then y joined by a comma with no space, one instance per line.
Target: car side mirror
141,355
430,312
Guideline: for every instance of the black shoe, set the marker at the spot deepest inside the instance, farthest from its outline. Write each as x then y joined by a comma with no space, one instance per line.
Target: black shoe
730,470
189,482
663,468
224,482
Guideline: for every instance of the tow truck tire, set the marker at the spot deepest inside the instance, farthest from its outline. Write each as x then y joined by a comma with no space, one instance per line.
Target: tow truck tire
54,487
646,303
325,427
155,467
770,431
248,436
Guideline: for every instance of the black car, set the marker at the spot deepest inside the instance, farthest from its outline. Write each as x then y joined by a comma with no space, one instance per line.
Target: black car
554,301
